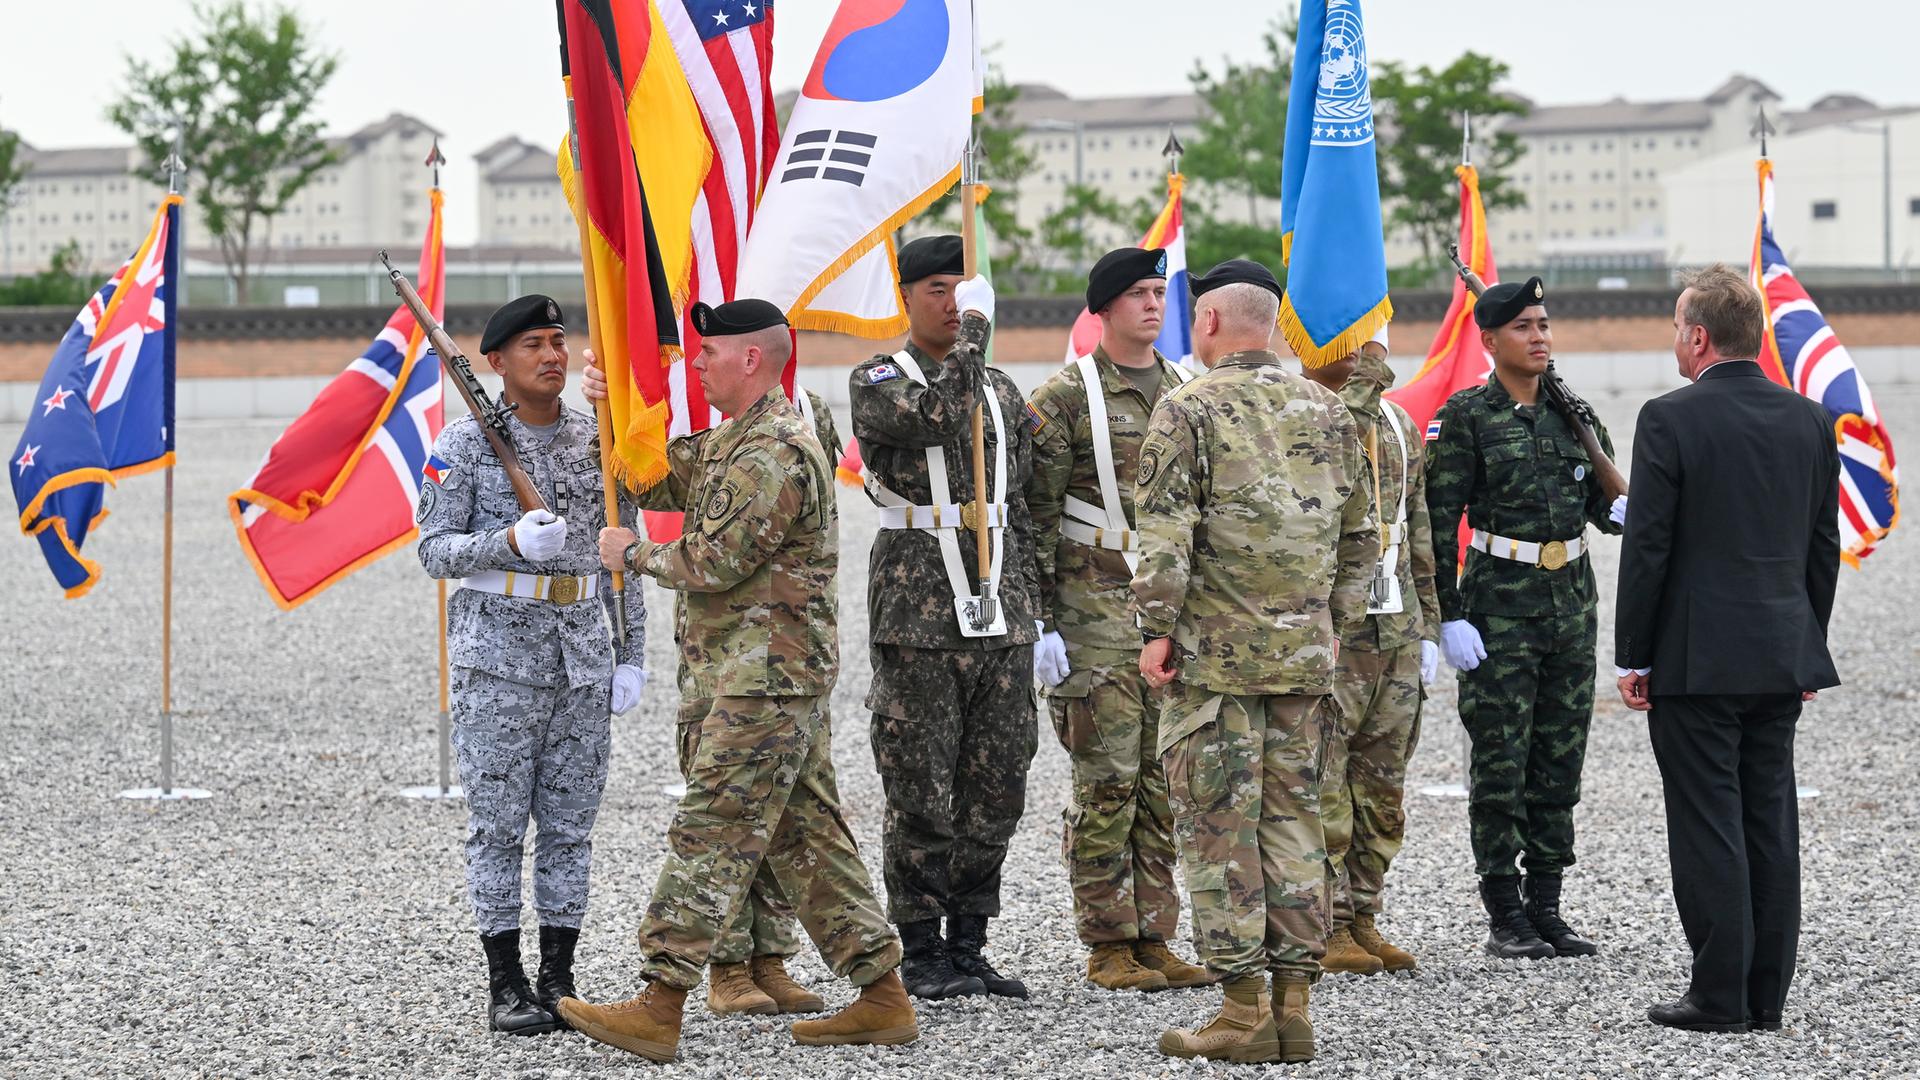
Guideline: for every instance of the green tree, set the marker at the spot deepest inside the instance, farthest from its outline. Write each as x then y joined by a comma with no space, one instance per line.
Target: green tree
64,283
1234,163
242,88
13,167
1063,233
1422,110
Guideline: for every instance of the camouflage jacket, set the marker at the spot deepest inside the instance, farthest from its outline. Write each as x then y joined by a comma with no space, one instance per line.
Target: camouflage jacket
1257,529
909,600
464,518
1519,472
1419,615
1084,591
757,558
689,675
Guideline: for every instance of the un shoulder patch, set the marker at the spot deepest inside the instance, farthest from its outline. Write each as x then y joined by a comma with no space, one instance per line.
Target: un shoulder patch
880,373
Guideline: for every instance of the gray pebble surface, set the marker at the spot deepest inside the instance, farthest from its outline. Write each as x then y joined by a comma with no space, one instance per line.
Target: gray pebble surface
306,922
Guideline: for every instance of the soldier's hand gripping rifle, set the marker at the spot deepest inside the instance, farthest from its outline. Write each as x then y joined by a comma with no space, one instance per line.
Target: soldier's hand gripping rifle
491,414
1578,412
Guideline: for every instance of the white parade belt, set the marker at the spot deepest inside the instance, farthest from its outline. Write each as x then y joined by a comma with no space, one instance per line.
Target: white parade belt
942,516
1551,555
1395,534
560,590
1085,523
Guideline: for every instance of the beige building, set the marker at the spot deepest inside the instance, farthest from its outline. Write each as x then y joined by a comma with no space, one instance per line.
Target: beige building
521,204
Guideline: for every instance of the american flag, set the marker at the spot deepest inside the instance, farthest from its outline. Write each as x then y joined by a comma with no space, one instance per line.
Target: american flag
1803,353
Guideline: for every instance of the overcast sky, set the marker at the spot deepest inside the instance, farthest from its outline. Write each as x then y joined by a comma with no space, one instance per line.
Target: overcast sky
480,69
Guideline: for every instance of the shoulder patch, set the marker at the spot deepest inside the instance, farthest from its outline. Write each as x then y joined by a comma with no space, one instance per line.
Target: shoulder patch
429,498
1433,429
1035,419
719,503
1149,466
880,373
436,471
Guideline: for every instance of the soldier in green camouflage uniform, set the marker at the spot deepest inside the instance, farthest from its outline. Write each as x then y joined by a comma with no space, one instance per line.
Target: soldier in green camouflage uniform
1520,622
756,562
1383,669
1118,840
1258,538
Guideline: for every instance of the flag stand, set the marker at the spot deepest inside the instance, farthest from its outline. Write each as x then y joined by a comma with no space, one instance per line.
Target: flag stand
166,792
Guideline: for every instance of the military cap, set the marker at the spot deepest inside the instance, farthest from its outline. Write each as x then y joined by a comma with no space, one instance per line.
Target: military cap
1503,303
515,317
1236,272
736,317
932,255
1117,270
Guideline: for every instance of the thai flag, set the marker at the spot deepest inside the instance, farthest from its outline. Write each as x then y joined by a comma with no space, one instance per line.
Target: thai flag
1802,353
337,489
1168,231
105,406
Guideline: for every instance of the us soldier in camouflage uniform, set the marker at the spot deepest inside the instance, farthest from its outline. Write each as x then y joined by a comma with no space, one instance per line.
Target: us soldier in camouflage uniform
1520,623
953,716
1118,841
756,562
1384,667
1258,538
533,669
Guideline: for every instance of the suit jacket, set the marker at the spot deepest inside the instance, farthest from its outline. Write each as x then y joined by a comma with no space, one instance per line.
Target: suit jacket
1732,547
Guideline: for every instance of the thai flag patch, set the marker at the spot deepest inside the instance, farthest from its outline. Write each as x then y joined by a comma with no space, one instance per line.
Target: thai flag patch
880,373
1433,429
435,470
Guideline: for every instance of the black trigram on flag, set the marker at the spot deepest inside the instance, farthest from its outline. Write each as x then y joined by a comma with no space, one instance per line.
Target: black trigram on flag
830,155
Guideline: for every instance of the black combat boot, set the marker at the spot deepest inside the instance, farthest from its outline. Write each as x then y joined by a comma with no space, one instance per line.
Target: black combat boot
1512,937
1543,911
556,968
966,936
511,1007
925,968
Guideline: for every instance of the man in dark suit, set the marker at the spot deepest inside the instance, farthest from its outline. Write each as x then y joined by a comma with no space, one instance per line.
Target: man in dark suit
1727,576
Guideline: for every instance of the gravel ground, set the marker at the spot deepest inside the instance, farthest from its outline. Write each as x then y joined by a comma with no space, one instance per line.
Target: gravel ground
306,922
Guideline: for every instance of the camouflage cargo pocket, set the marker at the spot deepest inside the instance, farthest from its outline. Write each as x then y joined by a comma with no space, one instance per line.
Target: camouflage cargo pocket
743,744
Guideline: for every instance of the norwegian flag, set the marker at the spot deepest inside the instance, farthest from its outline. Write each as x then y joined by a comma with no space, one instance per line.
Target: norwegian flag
1803,354
337,489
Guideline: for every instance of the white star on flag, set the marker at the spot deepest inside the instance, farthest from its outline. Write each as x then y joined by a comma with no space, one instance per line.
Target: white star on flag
26,458
749,10
57,401
720,17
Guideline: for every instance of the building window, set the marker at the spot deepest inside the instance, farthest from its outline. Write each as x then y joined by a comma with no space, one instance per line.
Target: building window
1653,204
1825,210
1553,148
1913,207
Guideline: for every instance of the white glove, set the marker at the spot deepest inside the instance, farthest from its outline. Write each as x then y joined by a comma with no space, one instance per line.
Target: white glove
1618,512
1462,642
975,294
539,535
1050,656
628,681
1429,663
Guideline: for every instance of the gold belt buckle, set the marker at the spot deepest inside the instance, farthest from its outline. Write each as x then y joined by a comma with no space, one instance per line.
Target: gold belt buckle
1553,555
565,590
970,516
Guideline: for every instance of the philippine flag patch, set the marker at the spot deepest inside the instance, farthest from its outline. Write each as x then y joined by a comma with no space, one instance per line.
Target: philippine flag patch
880,373
435,470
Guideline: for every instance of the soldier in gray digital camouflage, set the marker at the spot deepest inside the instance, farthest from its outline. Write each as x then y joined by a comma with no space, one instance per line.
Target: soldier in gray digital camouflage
1384,667
1088,422
534,672
1257,540
756,564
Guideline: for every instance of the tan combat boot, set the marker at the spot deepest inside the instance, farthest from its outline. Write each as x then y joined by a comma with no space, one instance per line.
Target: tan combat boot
770,975
1243,1030
1179,973
730,990
648,1025
1345,956
880,1016
1393,956
1112,967
1290,993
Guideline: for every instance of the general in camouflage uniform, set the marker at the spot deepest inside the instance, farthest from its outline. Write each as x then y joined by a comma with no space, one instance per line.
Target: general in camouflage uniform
1118,840
1520,622
953,716
1258,538
756,563
533,666
1384,667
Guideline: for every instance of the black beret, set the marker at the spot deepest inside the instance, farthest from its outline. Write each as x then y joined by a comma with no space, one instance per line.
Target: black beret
1236,272
736,317
1117,270
932,255
516,317
1503,303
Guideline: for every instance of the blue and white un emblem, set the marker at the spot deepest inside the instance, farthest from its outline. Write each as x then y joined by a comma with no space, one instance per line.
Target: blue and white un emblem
1343,105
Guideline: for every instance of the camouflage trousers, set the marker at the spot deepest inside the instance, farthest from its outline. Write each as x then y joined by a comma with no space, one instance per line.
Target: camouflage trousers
953,735
1362,797
529,753
1526,709
761,790
765,925
1118,840
1243,778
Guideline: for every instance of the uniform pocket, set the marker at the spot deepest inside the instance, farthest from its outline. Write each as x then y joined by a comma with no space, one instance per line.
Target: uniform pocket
738,759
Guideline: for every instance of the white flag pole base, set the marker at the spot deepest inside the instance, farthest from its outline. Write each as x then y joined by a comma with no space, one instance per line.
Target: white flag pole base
166,792
431,791
446,788
675,790
179,794
1445,791
1804,792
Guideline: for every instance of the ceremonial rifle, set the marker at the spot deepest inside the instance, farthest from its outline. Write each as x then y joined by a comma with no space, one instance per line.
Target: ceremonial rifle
1578,412
491,414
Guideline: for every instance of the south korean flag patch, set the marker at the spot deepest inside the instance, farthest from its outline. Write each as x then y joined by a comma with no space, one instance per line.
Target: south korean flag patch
880,373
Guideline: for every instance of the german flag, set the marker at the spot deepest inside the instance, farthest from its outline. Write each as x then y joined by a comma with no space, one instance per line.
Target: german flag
629,302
